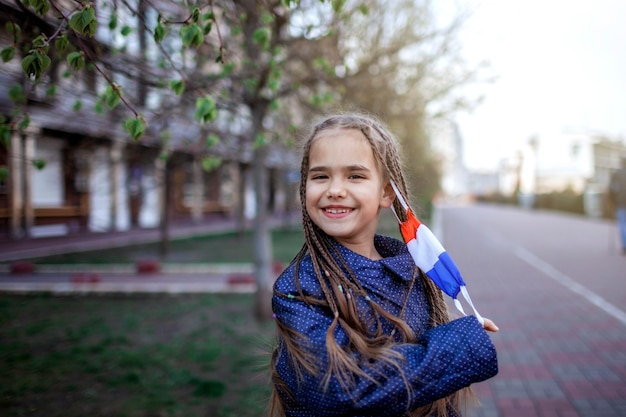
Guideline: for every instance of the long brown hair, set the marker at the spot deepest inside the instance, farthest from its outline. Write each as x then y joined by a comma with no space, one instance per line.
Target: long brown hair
336,279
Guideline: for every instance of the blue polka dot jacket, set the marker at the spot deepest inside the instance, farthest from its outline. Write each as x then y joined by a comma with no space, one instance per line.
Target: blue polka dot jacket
445,358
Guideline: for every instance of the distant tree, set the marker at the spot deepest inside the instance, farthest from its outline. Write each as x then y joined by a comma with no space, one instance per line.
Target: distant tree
398,62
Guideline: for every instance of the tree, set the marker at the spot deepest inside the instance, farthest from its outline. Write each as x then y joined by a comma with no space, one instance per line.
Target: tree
224,62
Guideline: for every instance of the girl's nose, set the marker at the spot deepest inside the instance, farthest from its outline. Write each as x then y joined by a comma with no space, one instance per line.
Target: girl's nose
336,189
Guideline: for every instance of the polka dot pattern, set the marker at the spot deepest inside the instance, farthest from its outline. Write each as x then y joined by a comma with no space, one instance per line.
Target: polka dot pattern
445,359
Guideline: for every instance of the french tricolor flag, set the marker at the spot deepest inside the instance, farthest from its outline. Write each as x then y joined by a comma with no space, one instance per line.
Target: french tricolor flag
430,256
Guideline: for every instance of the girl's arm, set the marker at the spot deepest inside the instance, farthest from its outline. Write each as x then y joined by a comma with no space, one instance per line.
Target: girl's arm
446,359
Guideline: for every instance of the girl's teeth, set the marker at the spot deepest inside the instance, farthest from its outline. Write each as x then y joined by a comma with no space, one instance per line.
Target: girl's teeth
337,211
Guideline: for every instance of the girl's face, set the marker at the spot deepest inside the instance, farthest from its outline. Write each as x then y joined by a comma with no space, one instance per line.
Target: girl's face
345,189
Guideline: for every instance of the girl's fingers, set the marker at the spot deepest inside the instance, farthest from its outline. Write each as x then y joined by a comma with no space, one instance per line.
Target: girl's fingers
490,325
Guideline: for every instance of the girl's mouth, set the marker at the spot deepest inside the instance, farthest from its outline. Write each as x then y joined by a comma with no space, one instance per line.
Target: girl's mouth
334,210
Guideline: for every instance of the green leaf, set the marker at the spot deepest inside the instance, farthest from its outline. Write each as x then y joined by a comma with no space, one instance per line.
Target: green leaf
135,127
75,60
207,28
7,53
41,7
250,83
261,36
159,32
13,29
112,96
191,35
260,140
206,111
177,86
5,134
4,173
61,43
24,123
16,94
227,69
195,15
126,30
29,66
99,107
36,62
78,104
337,5
209,163
44,61
51,91
112,21
268,18
212,140
84,21
40,44
39,164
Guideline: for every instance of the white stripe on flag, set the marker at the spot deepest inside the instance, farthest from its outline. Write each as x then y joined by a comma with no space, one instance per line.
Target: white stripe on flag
429,244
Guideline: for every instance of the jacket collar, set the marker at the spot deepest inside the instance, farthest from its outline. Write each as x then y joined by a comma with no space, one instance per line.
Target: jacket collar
396,256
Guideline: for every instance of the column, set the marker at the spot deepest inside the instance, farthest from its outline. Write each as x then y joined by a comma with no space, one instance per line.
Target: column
115,175
29,157
16,187
198,190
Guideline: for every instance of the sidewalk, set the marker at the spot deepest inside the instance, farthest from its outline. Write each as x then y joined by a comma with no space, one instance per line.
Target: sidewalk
166,278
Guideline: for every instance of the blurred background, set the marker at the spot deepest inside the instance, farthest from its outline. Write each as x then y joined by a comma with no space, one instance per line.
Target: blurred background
151,147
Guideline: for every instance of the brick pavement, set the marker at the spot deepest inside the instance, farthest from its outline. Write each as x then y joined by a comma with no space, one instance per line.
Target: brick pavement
559,354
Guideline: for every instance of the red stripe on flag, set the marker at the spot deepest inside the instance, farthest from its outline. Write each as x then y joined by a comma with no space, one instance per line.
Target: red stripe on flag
409,227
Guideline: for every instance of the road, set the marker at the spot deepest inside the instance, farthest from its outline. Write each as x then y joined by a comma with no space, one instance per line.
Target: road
555,284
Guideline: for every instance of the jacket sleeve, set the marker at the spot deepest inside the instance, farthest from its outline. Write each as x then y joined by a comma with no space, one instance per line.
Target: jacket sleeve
446,359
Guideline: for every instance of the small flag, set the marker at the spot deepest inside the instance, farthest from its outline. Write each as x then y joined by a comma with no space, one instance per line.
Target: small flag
431,257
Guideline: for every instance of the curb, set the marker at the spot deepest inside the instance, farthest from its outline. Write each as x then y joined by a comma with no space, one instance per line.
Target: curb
70,288
165,268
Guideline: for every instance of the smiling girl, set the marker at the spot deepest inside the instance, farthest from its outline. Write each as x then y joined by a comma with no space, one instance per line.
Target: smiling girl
361,330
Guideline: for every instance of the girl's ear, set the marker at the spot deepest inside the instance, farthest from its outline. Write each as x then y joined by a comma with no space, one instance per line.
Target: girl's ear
388,196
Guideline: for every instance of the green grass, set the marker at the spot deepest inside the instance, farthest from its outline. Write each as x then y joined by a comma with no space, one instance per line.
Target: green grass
220,248
141,355
216,248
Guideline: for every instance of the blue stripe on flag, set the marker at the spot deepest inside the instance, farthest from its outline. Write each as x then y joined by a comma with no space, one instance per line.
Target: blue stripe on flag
446,275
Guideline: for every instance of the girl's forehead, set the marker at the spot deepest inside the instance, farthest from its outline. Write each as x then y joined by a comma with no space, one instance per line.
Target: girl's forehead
343,147
335,141
341,136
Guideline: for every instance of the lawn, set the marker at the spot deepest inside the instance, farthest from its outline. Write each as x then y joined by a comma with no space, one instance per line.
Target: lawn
140,355
214,248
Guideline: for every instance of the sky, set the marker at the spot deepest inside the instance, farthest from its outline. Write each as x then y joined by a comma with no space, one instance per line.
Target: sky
560,65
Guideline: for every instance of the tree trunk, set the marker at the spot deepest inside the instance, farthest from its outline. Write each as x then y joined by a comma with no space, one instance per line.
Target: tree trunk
164,226
262,238
242,171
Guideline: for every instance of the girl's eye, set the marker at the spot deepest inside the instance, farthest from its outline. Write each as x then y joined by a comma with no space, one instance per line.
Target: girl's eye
355,177
318,177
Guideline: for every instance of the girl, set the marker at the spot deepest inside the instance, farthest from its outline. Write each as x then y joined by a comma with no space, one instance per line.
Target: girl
361,330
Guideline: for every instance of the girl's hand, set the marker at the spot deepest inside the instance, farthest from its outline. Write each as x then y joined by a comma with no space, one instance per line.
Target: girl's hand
489,325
